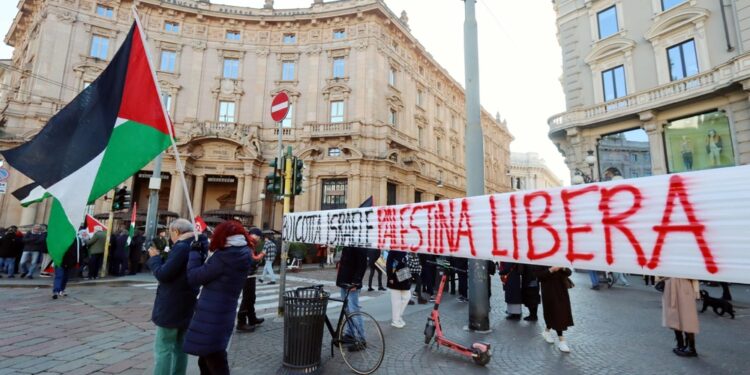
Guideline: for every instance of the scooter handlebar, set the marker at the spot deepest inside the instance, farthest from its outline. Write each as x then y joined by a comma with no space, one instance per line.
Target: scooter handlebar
447,266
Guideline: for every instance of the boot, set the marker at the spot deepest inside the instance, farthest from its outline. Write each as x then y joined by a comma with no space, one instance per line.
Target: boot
532,314
242,325
680,342
689,350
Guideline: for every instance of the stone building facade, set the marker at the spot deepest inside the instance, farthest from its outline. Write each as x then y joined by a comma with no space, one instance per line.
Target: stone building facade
372,112
530,172
667,79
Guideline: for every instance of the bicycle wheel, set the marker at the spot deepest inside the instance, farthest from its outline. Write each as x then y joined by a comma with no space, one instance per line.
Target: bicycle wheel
361,342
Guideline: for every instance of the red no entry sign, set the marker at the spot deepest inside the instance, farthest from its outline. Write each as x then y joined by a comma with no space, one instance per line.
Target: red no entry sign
279,106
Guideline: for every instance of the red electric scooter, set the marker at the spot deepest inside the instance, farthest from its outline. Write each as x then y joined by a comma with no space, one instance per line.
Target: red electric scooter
479,351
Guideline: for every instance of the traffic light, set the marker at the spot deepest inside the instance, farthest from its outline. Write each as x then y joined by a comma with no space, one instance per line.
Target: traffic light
298,166
122,199
274,181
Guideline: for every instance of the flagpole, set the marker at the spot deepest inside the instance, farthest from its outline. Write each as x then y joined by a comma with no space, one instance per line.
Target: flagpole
178,161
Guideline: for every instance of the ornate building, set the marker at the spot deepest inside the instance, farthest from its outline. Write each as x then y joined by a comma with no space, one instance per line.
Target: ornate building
529,172
653,86
372,113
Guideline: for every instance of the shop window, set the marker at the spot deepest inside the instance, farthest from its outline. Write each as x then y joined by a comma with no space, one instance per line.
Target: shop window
624,154
699,142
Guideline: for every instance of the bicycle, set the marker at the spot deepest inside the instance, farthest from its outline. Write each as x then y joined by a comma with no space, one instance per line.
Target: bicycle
362,348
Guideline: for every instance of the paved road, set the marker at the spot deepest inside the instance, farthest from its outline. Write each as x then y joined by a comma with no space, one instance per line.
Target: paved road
104,328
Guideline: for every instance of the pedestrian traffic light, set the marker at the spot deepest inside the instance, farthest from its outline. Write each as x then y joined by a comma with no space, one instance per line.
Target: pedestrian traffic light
274,182
122,199
297,178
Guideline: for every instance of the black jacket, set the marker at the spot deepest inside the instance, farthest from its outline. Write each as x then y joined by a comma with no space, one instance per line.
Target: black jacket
35,242
396,260
175,298
352,266
75,252
9,246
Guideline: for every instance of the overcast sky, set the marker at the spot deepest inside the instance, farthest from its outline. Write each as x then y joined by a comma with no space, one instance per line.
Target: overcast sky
519,59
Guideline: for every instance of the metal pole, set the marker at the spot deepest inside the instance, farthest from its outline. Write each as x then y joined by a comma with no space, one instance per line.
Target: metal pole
152,217
285,244
273,199
107,234
479,304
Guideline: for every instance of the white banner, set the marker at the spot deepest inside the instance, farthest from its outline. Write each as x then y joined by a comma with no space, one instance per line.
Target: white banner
693,225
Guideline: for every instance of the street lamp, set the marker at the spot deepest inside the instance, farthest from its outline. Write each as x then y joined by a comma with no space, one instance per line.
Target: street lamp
590,160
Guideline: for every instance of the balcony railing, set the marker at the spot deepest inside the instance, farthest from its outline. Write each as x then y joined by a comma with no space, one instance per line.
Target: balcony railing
671,92
219,129
332,129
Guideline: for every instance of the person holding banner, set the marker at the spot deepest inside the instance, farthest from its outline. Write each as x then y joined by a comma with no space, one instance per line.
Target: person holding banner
399,282
372,259
556,301
510,276
351,271
680,314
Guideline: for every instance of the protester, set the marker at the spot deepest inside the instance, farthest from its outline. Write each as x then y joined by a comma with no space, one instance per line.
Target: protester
399,287
680,314
372,258
222,278
246,318
119,246
135,250
321,254
511,279
67,265
330,253
620,279
462,264
594,276
530,290
269,248
351,271
96,251
9,250
556,303
428,275
416,271
34,243
175,300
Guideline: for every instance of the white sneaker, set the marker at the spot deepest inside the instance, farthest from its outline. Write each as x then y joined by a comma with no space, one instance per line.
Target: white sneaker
563,346
548,337
398,324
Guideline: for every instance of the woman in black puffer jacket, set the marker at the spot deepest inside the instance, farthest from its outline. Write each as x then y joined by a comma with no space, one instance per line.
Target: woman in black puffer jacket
221,277
399,288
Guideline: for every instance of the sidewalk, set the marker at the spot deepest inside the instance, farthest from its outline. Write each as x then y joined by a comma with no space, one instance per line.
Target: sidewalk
617,330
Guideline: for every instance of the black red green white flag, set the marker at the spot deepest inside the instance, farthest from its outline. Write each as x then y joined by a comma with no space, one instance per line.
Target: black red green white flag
109,131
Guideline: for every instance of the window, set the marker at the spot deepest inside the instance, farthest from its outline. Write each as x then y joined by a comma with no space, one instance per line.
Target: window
624,154
290,38
339,34
339,65
287,121
453,121
417,196
607,20
393,117
392,196
438,110
454,154
392,77
337,111
167,61
699,142
103,11
233,35
231,68
667,4
226,111
420,136
172,27
439,146
334,151
99,47
683,61
420,98
287,71
613,82
167,100
421,70
334,194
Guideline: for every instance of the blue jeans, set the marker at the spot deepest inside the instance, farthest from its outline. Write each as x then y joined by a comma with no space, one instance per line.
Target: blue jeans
268,270
29,256
61,280
9,264
594,278
353,306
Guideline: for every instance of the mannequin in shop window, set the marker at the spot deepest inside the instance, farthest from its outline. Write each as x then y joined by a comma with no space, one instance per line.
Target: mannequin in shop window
686,149
713,148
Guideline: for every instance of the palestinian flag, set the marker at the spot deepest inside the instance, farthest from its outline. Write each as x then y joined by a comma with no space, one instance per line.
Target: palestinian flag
92,223
131,230
107,133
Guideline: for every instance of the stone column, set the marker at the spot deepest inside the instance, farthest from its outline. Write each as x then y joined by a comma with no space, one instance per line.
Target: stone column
238,195
175,194
28,215
247,194
654,131
408,194
381,199
198,194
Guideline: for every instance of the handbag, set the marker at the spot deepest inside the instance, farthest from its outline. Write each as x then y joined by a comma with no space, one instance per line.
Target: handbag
569,283
403,274
660,286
